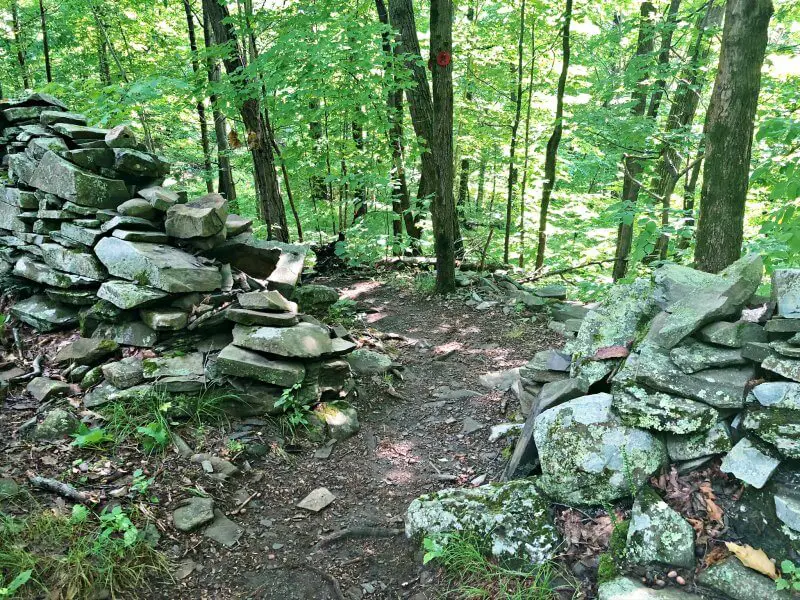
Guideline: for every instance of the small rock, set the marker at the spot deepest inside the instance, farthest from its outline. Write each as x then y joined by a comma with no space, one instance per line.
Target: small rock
366,362
748,463
57,424
317,500
43,388
658,534
223,530
194,513
470,425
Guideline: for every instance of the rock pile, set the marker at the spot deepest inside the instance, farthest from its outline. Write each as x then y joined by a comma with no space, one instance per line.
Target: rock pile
86,222
84,217
678,368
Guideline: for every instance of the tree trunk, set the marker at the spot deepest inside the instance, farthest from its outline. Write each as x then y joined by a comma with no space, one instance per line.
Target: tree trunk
512,169
201,107
689,190
729,134
681,115
524,185
225,183
15,24
551,153
443,213
360,199
667,29
420,103
48,70
102,60
463,185
481,183
632,166
259,138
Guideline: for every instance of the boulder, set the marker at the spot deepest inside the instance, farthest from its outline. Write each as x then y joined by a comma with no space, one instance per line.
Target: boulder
657,534
621,318
749,463
204,217
512,516
60,177
304,340
589,456
691,356
128,295
239,362
44,315
85,351
57,423
163,267
692,298
315,298
646,409
125,373
366,362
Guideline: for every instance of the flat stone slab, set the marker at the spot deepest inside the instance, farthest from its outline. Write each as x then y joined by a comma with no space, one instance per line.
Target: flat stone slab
732,334
746,462
126,295
177,366
304,340
149,237
257,258
272,301
77,262
88,236
79,132
163,267
627,588
700,445
132,333
223,531
367,362
657,534
647,409
43,314
65,180
159,197
317,500
44,388
42,273
779,427
257,317
125,373
778,394
234,224
786,292
691,356
782,326
194,513
786,367
731,579
246,363
85,351
786,349
164,319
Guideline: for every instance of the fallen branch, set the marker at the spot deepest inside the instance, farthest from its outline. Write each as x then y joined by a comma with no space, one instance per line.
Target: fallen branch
358,532
542,274
58,487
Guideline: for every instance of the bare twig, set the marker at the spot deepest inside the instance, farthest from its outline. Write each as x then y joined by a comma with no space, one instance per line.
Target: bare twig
36,370
58,487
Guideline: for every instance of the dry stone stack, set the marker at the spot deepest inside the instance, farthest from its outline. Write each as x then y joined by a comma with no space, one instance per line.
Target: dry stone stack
94,240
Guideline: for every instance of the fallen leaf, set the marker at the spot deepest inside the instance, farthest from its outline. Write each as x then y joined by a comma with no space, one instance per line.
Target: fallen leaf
609,352
713,509
717,555
755,559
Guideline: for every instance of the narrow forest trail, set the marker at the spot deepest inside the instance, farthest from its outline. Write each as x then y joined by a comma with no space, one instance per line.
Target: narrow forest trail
416,437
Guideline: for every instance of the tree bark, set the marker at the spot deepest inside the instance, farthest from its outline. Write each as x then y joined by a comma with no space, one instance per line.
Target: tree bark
201,107
681,115
512,169
729,134
259,138
463,185
48,69
689,190
481,183
524,185
15,24
667,29
551,153
632,166
443,207
421,105
225,182
102,60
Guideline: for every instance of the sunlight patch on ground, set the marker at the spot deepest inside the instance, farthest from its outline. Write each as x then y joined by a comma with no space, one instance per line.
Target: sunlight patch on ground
359,289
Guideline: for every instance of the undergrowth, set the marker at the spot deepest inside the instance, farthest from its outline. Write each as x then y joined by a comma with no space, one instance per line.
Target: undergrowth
82,556
470,572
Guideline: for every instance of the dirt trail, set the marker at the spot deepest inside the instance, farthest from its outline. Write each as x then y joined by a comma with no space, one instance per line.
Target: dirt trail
411,442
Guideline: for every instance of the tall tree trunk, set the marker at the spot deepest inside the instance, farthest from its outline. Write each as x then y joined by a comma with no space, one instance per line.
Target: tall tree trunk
632,165
317,187
681,115
551,153
360,199
201,107
48,69
15,24
420,103
512,168
259,139
689,190
667,29
443,213
463,185
102,60
401,200
729,134
524,186
481,182
225,182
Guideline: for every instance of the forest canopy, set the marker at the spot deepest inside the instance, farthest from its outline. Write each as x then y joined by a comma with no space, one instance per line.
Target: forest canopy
576,137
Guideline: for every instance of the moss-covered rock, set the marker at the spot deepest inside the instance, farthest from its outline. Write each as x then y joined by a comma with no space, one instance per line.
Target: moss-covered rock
588,456
657,534
340,418
692,356
707,443
779,427
512,517
647,409
57,424
315,298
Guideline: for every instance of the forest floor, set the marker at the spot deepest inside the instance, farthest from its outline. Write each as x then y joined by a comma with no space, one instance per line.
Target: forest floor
420,434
